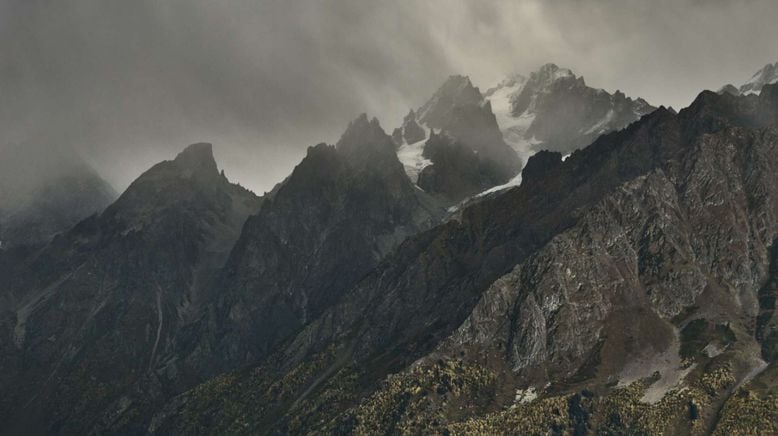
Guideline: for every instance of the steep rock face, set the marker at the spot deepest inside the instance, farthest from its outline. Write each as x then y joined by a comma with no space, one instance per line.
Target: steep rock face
342,210
45,192
474,154
92,320
583,274
555,110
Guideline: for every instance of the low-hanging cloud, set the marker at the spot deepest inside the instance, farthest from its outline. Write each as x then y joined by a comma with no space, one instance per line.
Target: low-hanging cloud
129,83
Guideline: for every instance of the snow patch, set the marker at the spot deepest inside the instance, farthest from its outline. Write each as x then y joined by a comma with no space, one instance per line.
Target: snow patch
603,124
515,181
410,155
525,396
712,350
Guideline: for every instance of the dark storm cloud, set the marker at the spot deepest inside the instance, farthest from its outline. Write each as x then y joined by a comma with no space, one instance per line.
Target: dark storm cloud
131,82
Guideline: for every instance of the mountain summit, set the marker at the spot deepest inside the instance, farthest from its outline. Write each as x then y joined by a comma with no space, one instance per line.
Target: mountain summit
197,160
554,109
765,76
466,155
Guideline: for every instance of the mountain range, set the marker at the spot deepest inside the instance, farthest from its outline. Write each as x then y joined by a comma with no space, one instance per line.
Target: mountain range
540,258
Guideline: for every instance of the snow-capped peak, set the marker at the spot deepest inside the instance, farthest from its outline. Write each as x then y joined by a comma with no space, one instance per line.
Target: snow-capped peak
540,111
767,75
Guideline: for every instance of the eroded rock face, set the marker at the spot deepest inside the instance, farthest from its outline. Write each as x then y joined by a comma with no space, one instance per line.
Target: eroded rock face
591,266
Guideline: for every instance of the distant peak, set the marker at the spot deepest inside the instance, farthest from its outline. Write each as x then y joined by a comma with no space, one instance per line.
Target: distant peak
767,70
551,72
457,79
197,158
363,134
765,76
456,91
361,126
456,85
360,119
550,66
728,89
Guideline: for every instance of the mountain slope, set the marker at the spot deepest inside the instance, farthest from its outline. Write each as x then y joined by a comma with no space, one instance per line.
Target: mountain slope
93,318
653,238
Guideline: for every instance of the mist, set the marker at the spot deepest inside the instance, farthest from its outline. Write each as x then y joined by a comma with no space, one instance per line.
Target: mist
128,84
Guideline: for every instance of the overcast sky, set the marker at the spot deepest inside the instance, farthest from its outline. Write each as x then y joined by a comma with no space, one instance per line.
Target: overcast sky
130,83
